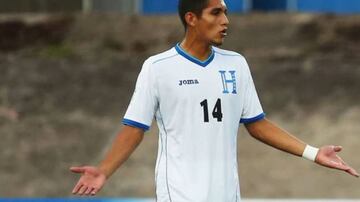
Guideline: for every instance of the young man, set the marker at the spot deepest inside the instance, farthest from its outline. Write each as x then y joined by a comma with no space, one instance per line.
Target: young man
199,94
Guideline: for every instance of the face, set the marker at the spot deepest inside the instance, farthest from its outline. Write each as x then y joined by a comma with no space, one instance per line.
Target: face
212,25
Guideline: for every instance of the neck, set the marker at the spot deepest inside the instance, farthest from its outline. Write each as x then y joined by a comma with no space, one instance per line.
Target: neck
196,48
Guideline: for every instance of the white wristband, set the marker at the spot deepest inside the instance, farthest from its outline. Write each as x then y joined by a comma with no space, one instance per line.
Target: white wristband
310,152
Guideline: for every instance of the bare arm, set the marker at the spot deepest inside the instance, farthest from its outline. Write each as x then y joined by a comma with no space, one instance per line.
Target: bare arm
268,133
93,178
124,144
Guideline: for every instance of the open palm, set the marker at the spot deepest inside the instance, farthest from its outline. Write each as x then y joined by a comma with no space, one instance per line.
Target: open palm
327,157
90,182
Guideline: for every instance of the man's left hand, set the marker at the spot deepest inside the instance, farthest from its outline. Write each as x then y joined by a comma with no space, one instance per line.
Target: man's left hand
327,157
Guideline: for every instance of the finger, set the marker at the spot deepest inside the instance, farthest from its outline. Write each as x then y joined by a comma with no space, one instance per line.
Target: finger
77,188
337,148
353,172
77,169
346,168
342,161
89,190
82,190
338,165
350,170
94,191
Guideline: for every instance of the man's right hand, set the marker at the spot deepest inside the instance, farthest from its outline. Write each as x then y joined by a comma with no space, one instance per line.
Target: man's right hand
90,182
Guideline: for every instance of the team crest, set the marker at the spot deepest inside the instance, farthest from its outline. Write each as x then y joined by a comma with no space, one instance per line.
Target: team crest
228,81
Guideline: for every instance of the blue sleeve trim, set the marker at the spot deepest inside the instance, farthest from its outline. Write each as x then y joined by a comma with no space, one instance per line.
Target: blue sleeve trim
254,119
129,122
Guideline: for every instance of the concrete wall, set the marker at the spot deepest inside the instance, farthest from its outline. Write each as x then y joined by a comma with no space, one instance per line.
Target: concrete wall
11,6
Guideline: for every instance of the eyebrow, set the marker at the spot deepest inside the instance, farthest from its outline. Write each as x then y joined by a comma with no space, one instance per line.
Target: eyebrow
219,9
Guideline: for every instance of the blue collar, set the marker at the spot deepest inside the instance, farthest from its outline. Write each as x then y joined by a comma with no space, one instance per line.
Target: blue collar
193,59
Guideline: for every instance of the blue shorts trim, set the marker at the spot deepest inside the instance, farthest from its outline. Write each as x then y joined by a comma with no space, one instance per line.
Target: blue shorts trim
129,122
254,119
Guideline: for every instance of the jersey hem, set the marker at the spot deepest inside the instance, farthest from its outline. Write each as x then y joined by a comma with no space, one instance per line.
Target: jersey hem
129,122
254,119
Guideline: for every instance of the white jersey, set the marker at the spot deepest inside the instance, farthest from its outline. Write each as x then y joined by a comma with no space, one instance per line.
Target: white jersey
198,106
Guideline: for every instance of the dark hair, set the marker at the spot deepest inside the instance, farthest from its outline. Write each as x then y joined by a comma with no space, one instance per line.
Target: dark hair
195,6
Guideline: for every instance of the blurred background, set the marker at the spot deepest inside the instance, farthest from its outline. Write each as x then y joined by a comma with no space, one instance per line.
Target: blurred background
68,69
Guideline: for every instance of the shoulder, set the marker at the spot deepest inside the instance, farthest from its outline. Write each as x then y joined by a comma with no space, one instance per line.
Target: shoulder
231,57
166,55
228,53
151,65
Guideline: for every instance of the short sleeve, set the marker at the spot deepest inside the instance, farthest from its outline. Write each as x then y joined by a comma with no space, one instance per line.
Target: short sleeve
252,110
143,104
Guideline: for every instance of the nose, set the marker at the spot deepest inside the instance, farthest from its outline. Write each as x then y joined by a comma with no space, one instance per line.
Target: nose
225,20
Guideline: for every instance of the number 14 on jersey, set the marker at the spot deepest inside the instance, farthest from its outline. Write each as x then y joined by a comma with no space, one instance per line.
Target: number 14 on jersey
216,113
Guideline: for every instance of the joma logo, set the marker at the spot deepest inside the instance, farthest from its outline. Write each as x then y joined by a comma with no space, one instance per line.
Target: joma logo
188,82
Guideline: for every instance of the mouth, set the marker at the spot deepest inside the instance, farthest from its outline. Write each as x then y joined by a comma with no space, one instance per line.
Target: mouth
223,32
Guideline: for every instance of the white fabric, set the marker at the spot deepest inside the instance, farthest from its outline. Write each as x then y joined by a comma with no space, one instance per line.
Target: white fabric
197,160
310,152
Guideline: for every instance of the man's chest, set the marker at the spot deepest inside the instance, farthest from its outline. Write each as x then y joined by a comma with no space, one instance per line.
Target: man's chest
198,82
211,94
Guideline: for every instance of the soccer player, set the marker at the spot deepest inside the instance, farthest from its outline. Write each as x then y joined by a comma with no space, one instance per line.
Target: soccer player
199,95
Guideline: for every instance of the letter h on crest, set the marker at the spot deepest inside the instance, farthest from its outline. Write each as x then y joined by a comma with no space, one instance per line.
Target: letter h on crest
225,81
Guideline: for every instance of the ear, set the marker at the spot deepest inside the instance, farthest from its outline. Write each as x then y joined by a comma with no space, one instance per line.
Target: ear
191,19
